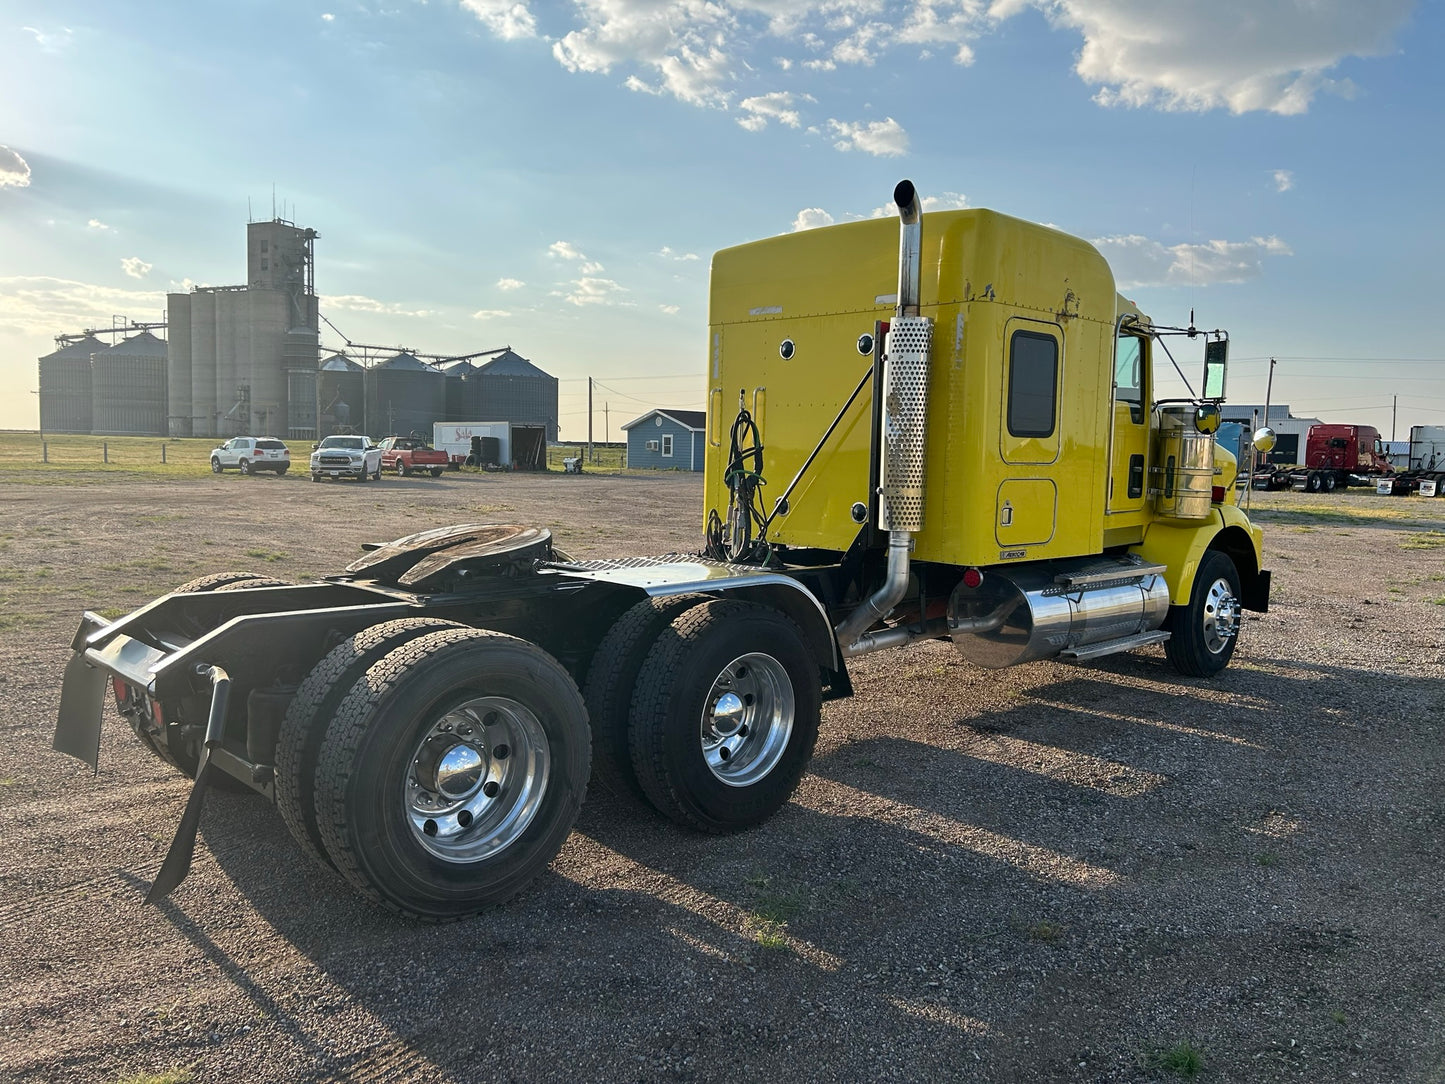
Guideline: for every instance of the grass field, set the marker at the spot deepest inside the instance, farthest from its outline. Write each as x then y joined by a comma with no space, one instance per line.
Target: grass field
48,458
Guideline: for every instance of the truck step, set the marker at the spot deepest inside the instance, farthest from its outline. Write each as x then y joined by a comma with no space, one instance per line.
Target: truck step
1111,647
1108,570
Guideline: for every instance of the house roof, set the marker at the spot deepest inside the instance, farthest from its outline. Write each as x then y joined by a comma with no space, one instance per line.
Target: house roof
510,363
696,420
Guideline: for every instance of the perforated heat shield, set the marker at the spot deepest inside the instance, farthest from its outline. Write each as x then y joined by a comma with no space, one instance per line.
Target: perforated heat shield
905,408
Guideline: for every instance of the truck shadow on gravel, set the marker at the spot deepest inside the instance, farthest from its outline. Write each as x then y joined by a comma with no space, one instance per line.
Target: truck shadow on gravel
1114,858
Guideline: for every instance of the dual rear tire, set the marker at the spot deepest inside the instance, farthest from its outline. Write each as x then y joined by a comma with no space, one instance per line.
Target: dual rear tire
437,768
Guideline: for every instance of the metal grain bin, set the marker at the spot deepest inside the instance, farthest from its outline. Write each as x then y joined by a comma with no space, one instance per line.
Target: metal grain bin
463,391
128,388
65,387
343,399
515,389
404,395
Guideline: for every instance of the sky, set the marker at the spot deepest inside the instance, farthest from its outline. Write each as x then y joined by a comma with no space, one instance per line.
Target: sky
556,176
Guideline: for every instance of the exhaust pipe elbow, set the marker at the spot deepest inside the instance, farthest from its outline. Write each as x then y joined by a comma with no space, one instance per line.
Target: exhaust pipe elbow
910,247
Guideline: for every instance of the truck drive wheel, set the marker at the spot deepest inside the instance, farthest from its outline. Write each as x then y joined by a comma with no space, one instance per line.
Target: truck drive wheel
611,680
1330,483
1204,633
452,772
298,744
1314,483
725,715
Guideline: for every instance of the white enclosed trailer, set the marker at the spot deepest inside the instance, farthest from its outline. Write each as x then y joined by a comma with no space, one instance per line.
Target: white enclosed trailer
455,438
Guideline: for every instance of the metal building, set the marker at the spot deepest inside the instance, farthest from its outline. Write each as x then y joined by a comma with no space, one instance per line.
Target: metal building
403,395
128,388
65,387
515,389
343,396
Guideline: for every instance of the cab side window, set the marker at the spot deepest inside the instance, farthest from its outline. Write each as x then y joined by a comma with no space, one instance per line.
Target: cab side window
1129,375
1033,377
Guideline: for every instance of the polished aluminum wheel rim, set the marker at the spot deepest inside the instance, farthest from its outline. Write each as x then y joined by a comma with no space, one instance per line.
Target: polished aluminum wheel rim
1221,616
747,719
476,779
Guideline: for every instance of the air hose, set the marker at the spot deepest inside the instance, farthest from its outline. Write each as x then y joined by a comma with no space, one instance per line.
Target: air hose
733,540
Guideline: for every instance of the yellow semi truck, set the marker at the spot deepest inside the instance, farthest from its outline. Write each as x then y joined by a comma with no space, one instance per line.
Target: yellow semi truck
957,436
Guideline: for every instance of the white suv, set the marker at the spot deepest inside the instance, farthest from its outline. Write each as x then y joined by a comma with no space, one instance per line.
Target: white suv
250,455
346,456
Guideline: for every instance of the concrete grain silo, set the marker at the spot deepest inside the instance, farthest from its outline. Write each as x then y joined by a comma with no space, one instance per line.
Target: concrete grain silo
179,389
65,387
203,363
128,388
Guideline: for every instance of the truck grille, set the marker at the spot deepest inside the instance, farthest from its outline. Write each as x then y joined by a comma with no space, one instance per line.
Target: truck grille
335,461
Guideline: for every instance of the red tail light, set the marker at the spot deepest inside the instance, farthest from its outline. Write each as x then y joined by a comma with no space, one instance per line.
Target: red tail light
122,692
972,577
1216,494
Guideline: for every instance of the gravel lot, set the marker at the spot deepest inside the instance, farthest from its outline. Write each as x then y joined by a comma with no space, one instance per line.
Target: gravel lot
1049,873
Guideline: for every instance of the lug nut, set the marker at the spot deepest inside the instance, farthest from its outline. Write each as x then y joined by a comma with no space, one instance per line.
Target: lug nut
464,818
430,828
502,752
490,788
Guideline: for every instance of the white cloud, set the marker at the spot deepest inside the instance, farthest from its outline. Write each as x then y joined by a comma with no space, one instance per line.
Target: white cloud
327,17
135,267
360,303
97,224
1283,180
1240,55
565,250
592,267
883,138
671,310
507,19
1270,55
948,201
14,170
594,291
667,254
810,218
510,284
777,105
491,314
42,305
51,41
1139,261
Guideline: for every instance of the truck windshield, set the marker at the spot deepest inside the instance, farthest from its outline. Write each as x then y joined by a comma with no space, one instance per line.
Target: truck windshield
351,443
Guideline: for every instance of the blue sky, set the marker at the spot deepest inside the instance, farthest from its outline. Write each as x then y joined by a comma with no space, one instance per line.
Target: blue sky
556,176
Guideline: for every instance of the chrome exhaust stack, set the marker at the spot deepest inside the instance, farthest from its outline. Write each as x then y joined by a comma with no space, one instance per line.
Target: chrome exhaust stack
900,437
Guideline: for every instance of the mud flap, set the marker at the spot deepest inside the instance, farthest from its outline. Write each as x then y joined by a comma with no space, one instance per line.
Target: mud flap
77,727
178,859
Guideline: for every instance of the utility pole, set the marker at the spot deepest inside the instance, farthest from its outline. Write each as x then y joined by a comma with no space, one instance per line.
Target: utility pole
1394,407
591,458
607,424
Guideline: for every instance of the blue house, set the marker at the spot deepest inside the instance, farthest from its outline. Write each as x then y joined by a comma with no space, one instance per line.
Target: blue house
667,440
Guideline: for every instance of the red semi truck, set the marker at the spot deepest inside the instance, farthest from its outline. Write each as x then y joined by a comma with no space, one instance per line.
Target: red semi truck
1335,456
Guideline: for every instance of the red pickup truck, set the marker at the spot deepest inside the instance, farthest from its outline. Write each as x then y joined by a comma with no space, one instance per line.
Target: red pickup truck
406,455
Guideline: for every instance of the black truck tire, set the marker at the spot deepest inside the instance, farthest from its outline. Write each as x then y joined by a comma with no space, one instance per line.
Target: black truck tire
1203,634
217,580
298,744
452,773
436,472
725,715
611,679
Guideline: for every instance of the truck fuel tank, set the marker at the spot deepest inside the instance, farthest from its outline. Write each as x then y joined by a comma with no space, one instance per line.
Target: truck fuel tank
1026,612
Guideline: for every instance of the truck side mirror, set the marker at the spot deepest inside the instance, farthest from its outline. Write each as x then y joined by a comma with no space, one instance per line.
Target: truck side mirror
1216,360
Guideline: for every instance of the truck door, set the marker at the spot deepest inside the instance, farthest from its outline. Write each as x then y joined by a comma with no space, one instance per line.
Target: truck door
1129,442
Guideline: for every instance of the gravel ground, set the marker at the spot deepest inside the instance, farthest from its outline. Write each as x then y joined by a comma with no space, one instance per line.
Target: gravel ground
1081,873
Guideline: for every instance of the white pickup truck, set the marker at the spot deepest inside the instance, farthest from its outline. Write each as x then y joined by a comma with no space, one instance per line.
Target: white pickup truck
346,456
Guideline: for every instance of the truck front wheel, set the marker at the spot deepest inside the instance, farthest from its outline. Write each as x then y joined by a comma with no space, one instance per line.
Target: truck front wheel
725,715
1203,633
452,772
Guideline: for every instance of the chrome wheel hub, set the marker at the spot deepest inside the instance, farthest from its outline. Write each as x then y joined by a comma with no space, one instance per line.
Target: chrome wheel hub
476,779
1221,616
747,719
